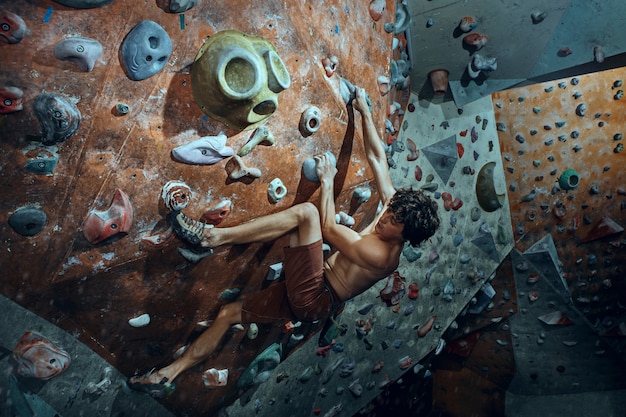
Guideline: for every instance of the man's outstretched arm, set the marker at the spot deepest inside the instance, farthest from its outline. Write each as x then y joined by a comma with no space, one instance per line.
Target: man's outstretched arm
374,150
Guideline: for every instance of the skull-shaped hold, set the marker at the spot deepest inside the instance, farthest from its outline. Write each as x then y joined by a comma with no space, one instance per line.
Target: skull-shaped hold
145,50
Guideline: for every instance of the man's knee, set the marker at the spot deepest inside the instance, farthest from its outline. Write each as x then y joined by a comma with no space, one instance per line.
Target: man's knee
308,212
230,313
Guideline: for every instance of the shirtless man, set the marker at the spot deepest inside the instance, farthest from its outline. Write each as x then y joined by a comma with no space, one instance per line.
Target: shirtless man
313,289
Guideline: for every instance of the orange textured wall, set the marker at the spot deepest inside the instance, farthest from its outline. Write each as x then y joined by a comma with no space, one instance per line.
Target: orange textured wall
542,134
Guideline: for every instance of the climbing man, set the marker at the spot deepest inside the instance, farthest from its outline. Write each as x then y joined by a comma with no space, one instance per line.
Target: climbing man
313,289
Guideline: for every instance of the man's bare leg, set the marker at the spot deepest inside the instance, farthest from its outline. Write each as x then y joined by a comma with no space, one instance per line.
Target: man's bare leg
200,349
301,220
303,225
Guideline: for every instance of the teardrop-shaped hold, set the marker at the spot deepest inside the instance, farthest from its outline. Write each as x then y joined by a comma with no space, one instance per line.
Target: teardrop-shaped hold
82,51
486,194
28,221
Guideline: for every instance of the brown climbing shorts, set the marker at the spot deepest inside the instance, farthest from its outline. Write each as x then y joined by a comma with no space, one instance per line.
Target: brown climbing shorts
304,294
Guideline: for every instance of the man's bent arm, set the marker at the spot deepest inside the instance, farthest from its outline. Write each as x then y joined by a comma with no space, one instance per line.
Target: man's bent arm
374,150
342,238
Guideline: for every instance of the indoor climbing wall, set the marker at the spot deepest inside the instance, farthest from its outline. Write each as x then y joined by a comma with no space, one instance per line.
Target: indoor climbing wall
101,143
562,151
396,324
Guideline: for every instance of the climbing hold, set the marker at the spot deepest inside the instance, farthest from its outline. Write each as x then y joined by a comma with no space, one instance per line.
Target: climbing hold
122,109
330,65
253,331
413,151
310,121
58,116
376,9
82,51
140,321
84,4
11,99
476,40
427,326
598,54
486,194
145,50
564,51
538,17
176,195
261,367
411,253
467,23
207,150
309,167
38,357
530,196
218,212
263,135
215,377
12,27
28,221
179,6
394,290
580,109
384,85
460,149
237,169
348,90
116,221
276,190
344,218
362,194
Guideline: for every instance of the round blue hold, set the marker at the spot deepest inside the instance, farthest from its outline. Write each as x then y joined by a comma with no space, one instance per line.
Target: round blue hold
28,221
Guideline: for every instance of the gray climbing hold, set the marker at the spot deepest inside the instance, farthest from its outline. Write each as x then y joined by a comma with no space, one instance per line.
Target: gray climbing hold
82,51
580,109
309,167
145,50
28,221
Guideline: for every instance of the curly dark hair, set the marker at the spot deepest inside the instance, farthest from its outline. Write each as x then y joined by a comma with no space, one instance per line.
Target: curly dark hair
418,212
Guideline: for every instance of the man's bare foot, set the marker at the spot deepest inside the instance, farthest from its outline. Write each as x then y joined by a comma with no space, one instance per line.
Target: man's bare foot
193,231
153,384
